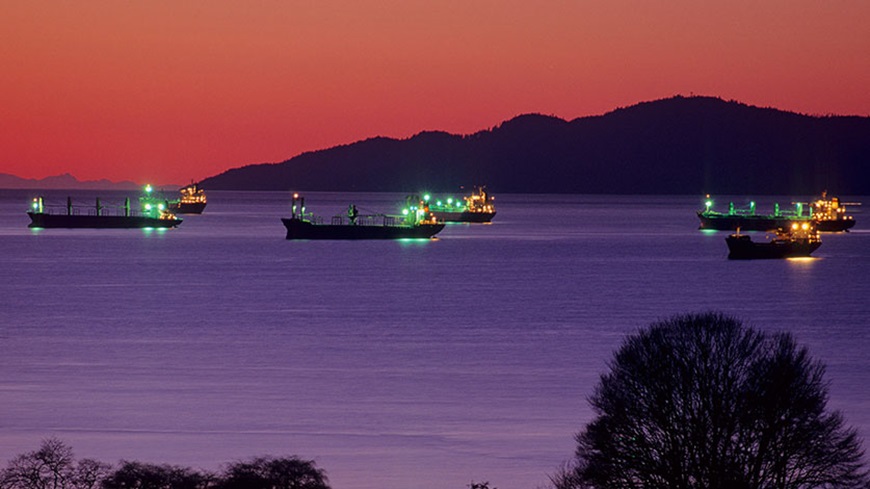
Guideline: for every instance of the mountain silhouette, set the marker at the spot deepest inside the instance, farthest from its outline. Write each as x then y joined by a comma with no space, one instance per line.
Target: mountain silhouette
680,145
64,181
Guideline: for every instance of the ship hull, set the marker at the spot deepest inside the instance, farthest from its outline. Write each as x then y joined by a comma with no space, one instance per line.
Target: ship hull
299,229
725,222
40,220
743,248
187,207
463,216
835,225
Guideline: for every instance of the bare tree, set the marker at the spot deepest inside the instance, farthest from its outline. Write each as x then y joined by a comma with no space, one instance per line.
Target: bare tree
89,473
567,477
701,401
52,466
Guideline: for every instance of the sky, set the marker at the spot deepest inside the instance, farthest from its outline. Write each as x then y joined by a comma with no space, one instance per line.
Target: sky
174,91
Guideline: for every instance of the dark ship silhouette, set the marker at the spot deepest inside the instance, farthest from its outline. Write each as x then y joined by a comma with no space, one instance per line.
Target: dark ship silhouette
477,207
800,240
826,215
413,224
192,200
99,216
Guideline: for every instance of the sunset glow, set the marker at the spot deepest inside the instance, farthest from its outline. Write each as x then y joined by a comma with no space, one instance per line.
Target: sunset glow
170,92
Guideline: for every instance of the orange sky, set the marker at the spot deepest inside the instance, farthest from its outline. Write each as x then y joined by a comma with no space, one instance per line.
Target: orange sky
175,90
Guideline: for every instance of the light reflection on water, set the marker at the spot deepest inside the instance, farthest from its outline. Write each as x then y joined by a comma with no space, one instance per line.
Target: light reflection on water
393,364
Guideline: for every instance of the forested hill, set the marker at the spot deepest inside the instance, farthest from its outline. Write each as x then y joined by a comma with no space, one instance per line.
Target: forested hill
681,145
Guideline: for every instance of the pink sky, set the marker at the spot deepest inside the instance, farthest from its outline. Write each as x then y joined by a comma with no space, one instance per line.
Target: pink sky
174,91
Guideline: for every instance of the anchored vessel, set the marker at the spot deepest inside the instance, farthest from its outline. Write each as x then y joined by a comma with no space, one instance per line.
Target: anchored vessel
192,200
99,216
477,207
800,240
826,214
413,224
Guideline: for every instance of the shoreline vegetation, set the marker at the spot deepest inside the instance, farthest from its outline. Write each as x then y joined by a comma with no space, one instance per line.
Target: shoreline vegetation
54,466
696,400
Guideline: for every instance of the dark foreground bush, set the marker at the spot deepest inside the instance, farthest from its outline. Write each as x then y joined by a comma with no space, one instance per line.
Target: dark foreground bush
137,475
53,466
702,401
273,473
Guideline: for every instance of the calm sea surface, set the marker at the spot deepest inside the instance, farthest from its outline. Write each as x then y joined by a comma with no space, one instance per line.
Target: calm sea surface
391,364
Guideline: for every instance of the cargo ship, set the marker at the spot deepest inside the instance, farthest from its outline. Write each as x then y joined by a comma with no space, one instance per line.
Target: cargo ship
800,240
99,216
414,223
192,200
477,207
825,214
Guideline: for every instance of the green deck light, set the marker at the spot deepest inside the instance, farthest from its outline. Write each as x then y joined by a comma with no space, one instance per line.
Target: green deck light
426,197
709,204
148,188
405,212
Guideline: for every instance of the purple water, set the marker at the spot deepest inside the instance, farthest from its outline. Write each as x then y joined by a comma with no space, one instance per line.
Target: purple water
391,364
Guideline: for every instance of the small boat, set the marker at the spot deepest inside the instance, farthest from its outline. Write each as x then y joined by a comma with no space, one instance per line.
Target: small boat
413,224
192,201
99,216
798,241
825,214
477,207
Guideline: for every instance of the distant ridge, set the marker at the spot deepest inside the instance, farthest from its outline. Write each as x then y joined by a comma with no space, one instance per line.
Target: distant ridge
65,181
679,145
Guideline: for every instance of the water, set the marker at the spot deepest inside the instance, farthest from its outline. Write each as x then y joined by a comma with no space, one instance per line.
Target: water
391,364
